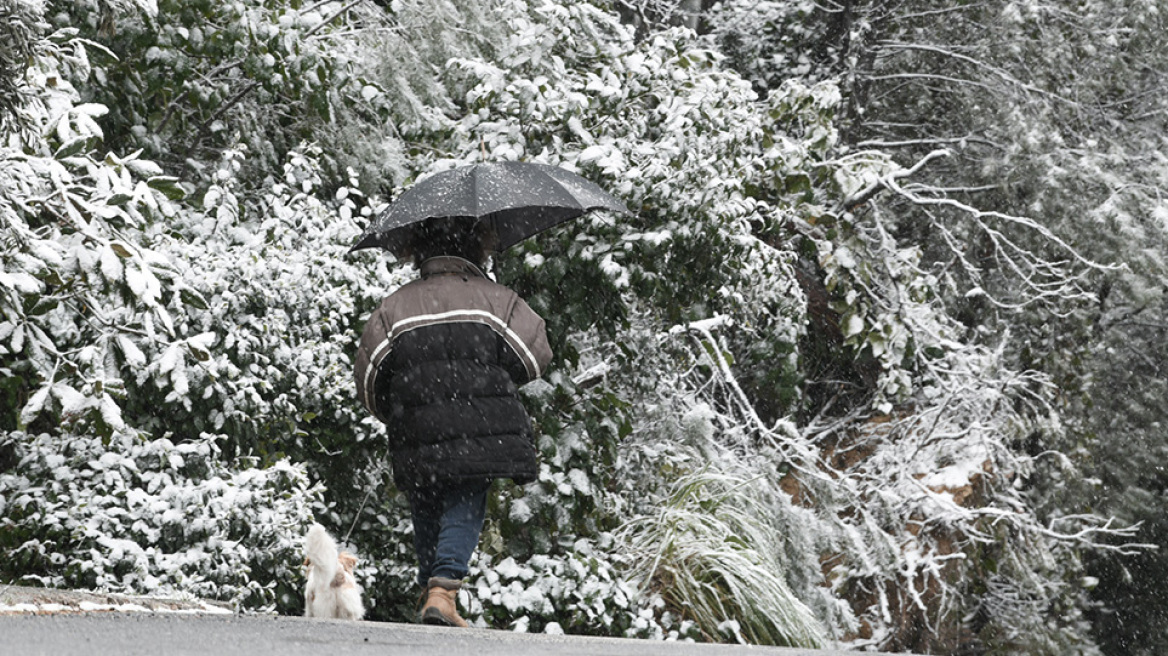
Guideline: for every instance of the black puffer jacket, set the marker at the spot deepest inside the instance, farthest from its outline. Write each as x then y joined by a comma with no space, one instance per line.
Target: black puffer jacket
440,362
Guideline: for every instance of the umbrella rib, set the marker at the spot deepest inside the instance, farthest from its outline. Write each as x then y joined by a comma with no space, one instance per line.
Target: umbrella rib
474,176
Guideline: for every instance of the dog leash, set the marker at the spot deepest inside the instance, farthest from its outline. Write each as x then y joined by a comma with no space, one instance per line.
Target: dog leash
357,517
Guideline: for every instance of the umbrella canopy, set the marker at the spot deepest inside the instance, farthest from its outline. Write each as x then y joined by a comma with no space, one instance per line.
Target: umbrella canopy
520,199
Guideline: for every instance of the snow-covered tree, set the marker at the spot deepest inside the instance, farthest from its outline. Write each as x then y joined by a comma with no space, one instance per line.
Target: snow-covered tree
1051,111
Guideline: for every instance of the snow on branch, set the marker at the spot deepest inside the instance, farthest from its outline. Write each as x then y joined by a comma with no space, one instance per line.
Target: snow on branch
905,499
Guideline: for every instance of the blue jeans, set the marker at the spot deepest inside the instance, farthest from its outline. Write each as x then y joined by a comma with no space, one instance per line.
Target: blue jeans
447,524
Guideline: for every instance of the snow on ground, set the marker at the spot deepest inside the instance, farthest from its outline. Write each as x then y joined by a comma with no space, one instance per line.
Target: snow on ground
15,600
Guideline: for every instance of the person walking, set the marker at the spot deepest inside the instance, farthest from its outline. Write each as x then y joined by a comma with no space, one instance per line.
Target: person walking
440,362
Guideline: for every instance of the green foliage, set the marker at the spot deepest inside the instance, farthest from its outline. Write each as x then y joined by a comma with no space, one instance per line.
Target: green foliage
112,341
148,516
19,32
192,65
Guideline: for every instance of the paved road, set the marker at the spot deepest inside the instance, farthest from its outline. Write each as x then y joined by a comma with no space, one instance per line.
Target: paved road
130,634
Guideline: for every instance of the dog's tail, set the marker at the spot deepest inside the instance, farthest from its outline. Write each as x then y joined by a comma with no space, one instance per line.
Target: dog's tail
321,551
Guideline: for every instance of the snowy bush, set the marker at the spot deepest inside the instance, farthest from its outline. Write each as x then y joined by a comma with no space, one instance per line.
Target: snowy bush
116,342
132,515
581,590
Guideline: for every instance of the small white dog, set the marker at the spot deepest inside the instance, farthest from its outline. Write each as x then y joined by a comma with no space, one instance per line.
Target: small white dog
332,591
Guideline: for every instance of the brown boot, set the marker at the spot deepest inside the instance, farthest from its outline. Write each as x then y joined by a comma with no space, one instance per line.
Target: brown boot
441,606
421,603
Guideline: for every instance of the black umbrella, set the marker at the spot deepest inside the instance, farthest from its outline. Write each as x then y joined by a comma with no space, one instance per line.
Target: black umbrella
520,199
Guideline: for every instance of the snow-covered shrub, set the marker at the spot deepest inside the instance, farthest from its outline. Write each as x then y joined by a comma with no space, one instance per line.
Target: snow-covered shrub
279,305
120,324
133,515
581,590
18,37
771,41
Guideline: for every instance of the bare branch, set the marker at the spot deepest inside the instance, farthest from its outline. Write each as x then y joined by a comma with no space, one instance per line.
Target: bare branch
332,17
1001,74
